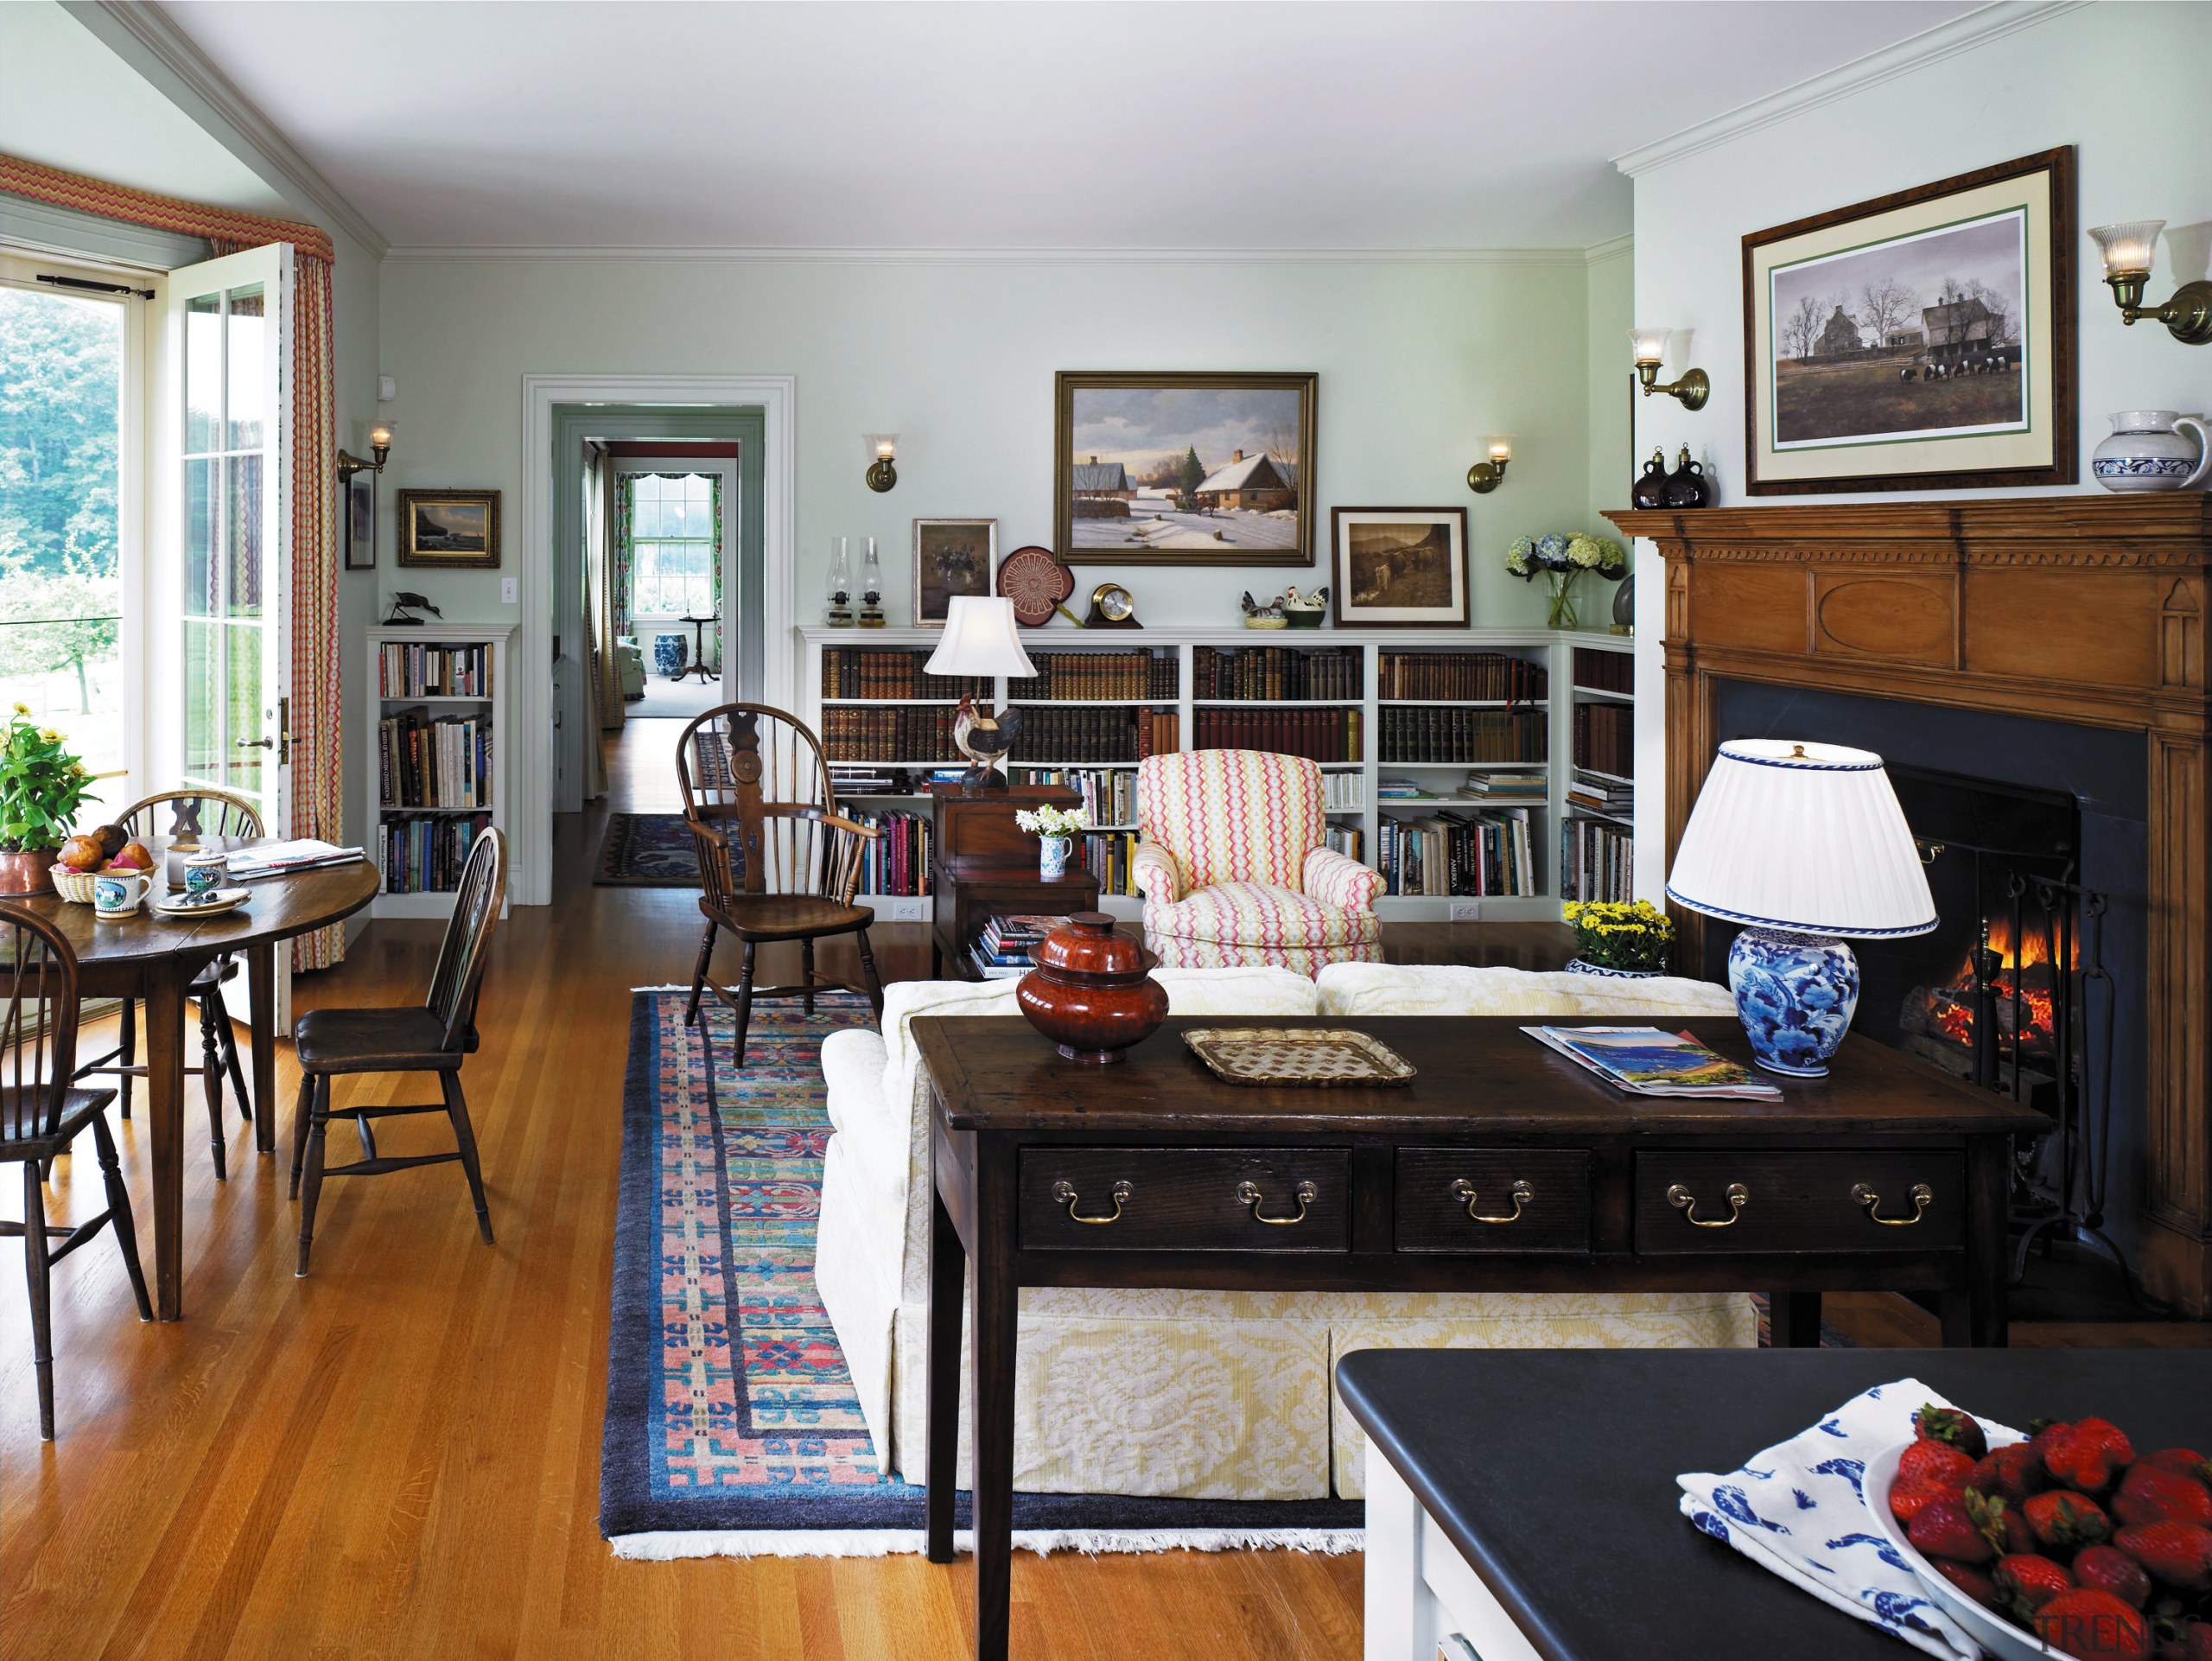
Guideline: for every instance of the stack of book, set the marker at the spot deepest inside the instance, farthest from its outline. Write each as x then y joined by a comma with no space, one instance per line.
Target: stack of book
1002,951
1505,789
426,763
1347,840
1482,677
1275,671
1605,737
915,732
897,861
1318,735
871,781
423,856
1604,671
1594,793
1108,855
1092,733
1596,861
406,671
1439,732
1458,854
851,672
1109,796
1130,677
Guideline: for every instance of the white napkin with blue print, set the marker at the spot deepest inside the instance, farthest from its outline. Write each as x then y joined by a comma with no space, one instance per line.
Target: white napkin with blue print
1797,1509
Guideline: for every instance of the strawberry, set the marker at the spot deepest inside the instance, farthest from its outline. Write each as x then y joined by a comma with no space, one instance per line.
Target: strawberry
1948,1425
2065,1520
2093,1626
1936,1462
2107,1569
2151,1493
2088,1455
2178,1555
2001,1524
2027,1582
1943,1529
2196,1641
2182,1461
1906,1498
2009,1473
1970,1580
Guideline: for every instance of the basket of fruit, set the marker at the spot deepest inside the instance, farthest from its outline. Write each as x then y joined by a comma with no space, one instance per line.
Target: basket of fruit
83,857
2067,1544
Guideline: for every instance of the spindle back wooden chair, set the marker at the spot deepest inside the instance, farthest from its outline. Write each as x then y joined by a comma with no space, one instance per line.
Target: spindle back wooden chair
42,1110
434,1037
193,813
777,860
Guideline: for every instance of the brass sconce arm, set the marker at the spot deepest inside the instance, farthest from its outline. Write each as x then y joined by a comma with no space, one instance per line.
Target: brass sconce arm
881,475
1693,388
1485,476
350,464
2188,316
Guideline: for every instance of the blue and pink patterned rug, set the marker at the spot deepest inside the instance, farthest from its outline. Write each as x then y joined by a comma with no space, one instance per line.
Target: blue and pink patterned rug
732,1423
646,850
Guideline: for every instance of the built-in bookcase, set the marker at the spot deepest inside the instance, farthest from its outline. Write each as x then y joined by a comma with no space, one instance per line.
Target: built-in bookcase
1384,712
436,719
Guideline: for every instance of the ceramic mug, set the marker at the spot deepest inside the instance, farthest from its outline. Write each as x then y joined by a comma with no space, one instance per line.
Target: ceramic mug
117,893
205,873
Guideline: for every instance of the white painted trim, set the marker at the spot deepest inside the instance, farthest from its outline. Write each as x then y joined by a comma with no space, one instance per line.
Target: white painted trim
532,770
1601,253
1008,255
1961,34
665,1545
68,233
148,39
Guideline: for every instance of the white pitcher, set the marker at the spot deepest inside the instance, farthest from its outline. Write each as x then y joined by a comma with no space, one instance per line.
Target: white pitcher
2148,451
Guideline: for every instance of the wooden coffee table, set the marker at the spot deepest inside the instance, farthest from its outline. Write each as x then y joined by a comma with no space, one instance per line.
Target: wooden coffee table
1366,1189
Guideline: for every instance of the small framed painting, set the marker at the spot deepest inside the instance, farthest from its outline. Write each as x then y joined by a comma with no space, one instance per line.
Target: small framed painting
1400,567
952,558
1177,469
1922,340
456,529
357,521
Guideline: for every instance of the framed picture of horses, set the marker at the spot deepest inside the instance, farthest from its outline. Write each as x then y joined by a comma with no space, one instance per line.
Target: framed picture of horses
1923,341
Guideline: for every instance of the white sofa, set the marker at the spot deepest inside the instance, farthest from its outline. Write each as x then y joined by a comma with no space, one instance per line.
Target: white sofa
1189,1394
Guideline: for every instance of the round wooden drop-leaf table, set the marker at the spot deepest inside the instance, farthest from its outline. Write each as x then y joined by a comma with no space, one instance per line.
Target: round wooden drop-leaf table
153,958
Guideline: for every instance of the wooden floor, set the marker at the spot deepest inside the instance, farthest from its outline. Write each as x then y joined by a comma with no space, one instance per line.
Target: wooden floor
399,1456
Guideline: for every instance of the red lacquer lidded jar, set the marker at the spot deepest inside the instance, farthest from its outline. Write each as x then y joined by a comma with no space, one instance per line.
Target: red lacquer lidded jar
1092,992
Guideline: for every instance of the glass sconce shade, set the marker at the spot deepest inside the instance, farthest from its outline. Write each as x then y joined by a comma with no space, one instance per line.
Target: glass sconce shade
1650,344
2129,247
381,434
1499,446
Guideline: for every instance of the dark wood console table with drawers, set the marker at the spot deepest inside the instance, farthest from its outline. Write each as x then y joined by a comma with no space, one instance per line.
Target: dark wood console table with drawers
1502,1166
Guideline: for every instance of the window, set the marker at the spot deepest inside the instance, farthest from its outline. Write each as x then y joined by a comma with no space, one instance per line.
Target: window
62,362
674,544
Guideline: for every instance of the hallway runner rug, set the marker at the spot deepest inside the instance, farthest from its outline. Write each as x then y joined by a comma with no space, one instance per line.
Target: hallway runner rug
732,1428
646,850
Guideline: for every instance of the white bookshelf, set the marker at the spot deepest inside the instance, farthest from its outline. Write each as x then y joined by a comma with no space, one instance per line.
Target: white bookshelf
382,701
1553,649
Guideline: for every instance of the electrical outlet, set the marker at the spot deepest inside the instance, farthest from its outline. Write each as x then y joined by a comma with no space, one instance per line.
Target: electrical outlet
1466,911
509,590
910,911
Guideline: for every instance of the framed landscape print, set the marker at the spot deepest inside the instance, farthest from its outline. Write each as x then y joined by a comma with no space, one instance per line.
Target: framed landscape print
1400,567
456,529
1919,341
357,521
1184,469
952,558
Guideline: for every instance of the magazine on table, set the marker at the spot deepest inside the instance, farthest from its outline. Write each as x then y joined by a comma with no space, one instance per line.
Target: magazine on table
274,858
1647,1061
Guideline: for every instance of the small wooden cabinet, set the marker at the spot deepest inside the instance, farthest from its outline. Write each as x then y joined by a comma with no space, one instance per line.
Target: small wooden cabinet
985,864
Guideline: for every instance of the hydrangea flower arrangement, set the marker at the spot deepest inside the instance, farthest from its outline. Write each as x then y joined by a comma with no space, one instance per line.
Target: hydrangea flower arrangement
1560,556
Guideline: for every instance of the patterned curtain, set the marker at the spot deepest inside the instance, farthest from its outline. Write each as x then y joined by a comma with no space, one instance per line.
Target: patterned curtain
715,496
318,702
625,499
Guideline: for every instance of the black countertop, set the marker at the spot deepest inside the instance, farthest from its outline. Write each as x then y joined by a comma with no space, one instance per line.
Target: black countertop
1552,1472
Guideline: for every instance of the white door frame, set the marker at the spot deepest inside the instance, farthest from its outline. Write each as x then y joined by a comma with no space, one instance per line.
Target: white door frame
531,696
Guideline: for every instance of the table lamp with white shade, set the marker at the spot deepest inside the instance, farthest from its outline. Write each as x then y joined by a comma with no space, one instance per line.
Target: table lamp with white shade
982,639
1806,844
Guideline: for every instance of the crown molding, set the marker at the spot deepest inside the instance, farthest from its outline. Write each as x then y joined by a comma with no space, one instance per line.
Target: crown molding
460,253
1963,33
145,37
1620,247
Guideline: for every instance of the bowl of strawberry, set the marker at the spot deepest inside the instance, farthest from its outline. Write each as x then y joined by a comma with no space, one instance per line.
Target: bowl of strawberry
2068,1543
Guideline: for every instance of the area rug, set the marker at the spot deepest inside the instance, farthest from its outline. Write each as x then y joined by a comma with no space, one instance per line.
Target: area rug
646,850
733,1426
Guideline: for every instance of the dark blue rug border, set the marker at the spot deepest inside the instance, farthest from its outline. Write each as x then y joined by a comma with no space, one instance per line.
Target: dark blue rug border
626,1503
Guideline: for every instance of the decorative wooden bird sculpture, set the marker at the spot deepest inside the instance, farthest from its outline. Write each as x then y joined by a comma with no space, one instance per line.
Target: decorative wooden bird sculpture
984,739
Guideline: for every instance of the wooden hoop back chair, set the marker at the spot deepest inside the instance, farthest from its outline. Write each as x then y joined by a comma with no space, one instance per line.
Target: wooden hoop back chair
434,1037
776,859
40,1113
195,811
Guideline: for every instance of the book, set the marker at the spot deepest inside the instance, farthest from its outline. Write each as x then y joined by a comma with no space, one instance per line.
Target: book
991,970
1646,1061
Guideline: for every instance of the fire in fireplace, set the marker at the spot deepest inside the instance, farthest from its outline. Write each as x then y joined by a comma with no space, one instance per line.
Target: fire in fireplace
2008,992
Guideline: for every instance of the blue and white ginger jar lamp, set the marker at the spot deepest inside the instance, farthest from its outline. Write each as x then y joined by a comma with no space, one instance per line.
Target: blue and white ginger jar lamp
1805,844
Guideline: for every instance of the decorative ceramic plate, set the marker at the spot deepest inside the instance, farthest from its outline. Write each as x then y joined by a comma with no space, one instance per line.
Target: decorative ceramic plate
1297,1055
1036,583
213,905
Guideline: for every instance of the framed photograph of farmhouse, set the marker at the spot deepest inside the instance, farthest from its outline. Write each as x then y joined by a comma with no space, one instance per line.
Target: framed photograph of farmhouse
1920,341
1174,469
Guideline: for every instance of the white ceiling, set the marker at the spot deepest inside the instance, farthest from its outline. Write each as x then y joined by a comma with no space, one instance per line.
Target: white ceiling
1002,126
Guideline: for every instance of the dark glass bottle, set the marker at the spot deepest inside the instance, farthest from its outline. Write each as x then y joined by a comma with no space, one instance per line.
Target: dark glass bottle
1651,490
1686,486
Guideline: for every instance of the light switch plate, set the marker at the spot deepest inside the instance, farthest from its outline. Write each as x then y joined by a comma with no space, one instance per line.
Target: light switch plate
387,389
510,592
1466,911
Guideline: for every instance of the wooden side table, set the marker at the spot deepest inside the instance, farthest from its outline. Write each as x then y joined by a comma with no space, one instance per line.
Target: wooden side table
984,864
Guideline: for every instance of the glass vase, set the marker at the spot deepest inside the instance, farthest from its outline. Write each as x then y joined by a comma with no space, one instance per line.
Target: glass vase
1562,613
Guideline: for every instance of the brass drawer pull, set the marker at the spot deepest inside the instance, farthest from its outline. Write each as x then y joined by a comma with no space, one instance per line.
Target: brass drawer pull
1249,1193
1920,1194
1686,1202
1063,1192
1520,1192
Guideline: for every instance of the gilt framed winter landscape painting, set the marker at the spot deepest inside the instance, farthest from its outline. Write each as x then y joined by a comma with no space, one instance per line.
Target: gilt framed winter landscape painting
1184,469
1922,340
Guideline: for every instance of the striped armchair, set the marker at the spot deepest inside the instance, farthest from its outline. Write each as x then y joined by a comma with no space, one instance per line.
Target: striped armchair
1233,870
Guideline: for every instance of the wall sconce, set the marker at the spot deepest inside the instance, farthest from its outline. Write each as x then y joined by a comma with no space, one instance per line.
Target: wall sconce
380,433
1651,351
882,450
2129,249
1486,476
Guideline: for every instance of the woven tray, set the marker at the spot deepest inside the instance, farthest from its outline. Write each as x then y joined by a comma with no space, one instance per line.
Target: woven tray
1308,1057
76,887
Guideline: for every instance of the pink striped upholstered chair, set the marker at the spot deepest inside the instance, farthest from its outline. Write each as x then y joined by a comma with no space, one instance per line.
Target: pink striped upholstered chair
1233,870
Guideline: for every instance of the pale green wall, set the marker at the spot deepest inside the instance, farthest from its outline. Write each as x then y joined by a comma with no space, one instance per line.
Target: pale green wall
1611,287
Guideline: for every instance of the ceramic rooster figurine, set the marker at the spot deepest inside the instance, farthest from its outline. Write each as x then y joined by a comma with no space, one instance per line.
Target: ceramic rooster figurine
984,739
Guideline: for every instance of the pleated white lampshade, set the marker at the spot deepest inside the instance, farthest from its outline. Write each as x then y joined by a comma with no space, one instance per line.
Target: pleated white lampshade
981,638
1803,836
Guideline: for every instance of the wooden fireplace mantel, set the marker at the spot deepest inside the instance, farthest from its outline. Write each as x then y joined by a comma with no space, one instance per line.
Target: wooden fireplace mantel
2088,610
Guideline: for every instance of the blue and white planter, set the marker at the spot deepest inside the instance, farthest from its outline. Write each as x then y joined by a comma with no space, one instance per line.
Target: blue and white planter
1581,966
1796,994
1051,858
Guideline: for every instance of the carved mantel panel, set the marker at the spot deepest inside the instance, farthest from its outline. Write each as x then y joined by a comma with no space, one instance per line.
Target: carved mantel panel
2082,608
